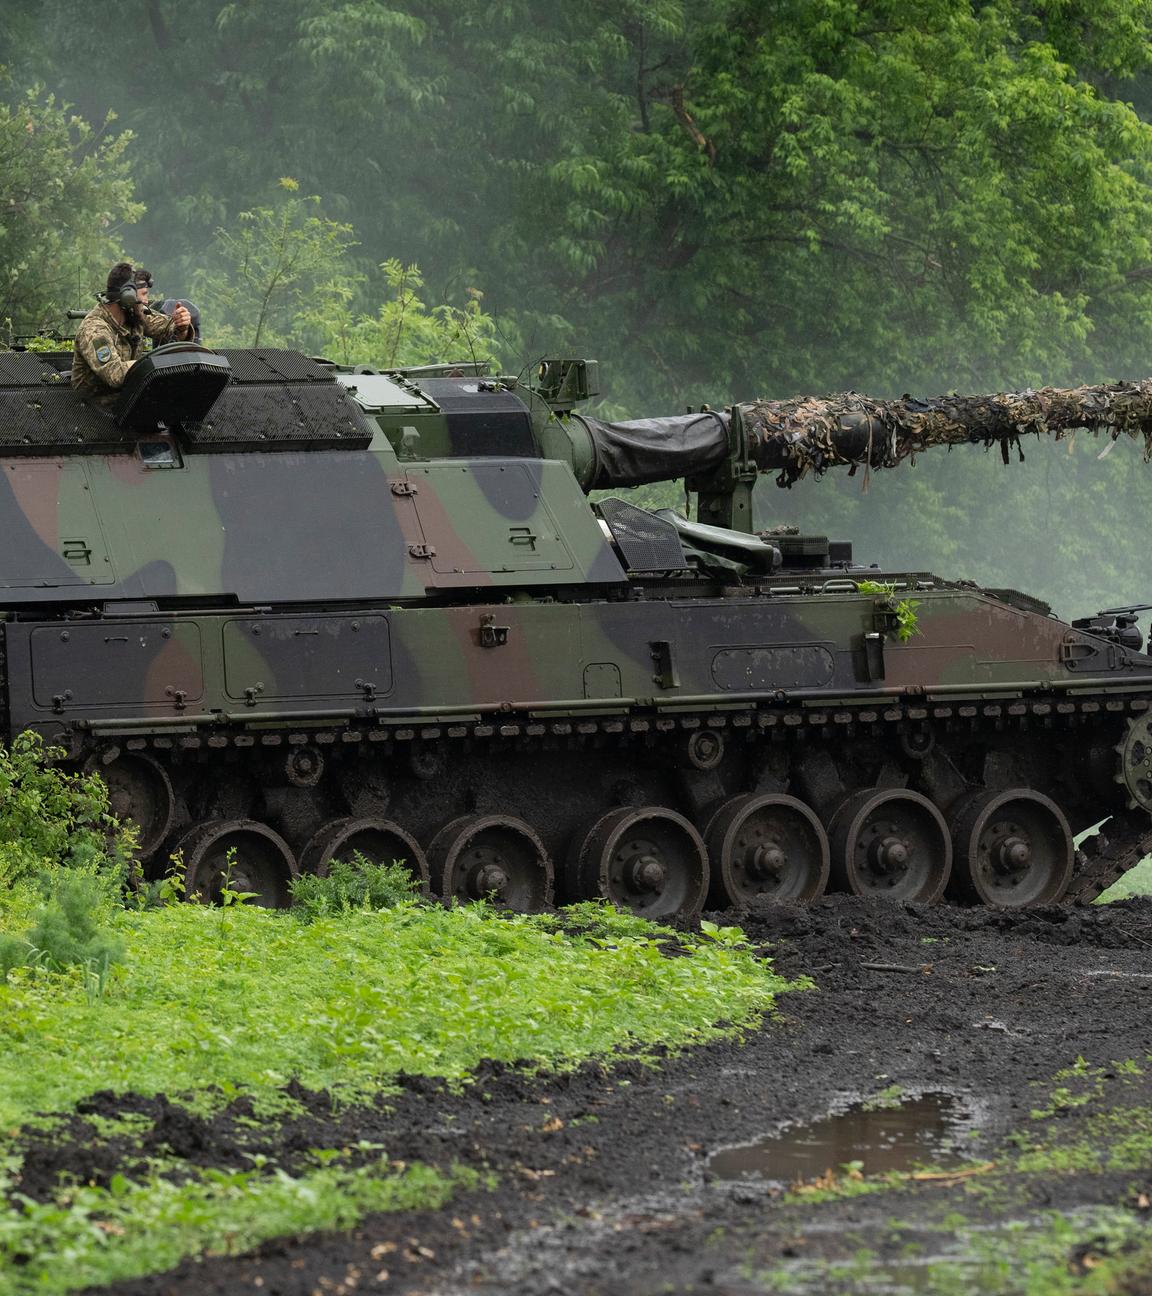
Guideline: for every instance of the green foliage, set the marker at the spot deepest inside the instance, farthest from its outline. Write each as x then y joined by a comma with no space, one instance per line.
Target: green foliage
63,865
50,818
358,883
344,1002
65,194
70,929
403,330
92,1236
903,610
264,274
285,275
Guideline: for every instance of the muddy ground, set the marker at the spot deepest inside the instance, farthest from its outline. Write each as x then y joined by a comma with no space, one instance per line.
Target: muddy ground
604,1184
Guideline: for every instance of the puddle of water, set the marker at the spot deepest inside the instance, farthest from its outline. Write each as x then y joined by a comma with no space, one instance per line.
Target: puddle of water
929,1128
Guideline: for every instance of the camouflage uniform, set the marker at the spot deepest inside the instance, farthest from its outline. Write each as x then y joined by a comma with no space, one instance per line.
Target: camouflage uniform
103,350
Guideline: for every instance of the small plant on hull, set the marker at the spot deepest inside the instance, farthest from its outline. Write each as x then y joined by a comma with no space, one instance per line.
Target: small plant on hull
901,612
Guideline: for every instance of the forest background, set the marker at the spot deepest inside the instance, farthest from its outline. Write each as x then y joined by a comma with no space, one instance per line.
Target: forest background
718,200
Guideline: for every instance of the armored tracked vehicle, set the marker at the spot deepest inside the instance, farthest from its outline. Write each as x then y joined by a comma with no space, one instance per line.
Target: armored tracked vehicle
291,612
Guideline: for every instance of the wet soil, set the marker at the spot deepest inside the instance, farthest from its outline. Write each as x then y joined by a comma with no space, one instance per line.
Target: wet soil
604,1178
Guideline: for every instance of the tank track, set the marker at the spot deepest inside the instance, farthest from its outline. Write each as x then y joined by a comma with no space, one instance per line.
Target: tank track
1119,845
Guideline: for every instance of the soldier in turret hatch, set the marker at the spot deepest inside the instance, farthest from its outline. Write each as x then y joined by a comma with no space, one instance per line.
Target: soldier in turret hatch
111,336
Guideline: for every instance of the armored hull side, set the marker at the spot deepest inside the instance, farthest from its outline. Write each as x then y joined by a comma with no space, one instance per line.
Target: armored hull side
294,648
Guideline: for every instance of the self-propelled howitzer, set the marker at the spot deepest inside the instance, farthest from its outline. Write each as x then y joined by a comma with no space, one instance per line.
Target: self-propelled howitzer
294,612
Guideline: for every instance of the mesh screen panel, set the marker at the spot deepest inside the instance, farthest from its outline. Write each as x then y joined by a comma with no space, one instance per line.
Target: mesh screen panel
254,416
22,369
54,418
648,543
274,366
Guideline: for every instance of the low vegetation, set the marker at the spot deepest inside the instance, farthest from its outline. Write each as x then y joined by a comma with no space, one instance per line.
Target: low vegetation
107,987
91,1236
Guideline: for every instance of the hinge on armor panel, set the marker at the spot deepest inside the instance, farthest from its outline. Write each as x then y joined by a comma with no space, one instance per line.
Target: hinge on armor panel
874,655
666,674
1079,654
421,551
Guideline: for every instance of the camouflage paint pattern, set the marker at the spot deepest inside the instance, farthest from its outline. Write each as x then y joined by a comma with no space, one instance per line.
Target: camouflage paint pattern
259,596
104,349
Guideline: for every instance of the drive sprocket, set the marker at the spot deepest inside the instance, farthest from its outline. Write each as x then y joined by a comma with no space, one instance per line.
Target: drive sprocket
1135,769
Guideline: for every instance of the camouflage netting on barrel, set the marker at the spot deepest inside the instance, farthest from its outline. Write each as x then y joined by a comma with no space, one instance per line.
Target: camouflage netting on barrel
810,434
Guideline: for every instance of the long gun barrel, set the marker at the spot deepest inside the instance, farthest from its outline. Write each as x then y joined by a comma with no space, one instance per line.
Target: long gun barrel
720,454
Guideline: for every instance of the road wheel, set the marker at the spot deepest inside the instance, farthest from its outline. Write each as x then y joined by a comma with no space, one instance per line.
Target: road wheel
240,854
766,847
1013,849
491,857
643,858
890,843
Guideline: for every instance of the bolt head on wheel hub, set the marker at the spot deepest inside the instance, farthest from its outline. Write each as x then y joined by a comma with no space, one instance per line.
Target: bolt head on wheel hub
889,854
1012,854
767,861
490,879
646,873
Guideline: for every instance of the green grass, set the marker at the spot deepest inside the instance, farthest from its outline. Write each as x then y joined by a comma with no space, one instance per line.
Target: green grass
1136,882
244,1000
209,1005
92,1236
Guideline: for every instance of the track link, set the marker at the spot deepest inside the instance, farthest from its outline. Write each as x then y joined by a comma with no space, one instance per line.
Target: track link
1119,844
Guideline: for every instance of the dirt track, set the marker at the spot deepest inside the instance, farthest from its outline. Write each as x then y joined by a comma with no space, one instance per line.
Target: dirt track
603,1185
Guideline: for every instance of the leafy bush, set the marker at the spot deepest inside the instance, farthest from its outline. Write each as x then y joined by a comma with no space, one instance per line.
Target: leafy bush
353,884
63,863
52,818
69,930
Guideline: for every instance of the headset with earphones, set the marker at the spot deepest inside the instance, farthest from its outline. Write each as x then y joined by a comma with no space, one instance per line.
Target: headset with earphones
124,283
126,297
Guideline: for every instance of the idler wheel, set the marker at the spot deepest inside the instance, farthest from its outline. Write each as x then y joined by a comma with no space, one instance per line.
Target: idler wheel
380,841
140,793
1014,849
766,847
890,843
643,858
491,857
262,862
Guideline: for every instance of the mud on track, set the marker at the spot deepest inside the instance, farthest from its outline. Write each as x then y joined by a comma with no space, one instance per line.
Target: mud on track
603,1185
